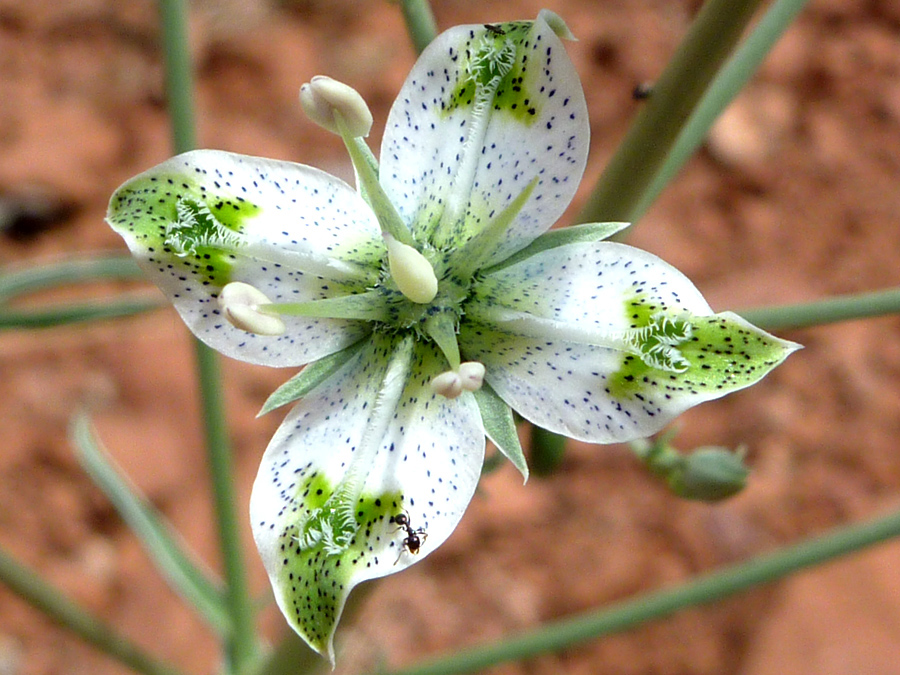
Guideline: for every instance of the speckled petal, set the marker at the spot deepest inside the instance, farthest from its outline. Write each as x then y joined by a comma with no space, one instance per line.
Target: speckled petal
597,393
443,151
206,218
426,465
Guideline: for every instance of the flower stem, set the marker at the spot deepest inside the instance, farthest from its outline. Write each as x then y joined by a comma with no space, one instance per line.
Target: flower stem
15,282
709,41
703,590
830,310
420,22
49,600
727,84
60,315
242,648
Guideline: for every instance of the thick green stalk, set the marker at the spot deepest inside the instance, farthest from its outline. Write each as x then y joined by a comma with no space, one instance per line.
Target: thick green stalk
242,646
50,601
419,22
703,590
710,39
728,83
831,310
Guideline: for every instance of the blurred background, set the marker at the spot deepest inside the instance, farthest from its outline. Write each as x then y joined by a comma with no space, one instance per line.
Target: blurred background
794,197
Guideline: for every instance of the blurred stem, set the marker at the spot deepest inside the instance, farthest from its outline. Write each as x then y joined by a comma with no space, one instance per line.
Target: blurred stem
420,22
242,646
709,41
61,315
831,310
88,269
703,590
547,450
50,601
728,83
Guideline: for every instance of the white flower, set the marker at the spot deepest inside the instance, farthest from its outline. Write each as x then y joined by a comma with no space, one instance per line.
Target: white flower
441,263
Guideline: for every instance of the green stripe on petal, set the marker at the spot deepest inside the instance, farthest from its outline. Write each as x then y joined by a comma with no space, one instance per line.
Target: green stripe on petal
483,113
203,219
370,443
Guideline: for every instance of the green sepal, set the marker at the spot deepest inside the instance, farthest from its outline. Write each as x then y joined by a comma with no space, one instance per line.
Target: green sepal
180,568
577,234
500,427
309,378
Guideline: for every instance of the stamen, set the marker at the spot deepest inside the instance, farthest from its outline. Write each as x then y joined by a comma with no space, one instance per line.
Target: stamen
448,385
242,305
468,377
323,98
411,271
472,375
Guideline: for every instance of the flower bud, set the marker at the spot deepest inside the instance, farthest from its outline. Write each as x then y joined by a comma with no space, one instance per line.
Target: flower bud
710,474
240,303
411,271
323,98
448,385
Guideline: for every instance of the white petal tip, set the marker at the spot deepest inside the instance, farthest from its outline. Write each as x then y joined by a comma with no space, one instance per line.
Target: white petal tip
557,25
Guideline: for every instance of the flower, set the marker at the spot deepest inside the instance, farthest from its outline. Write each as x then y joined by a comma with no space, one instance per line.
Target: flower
428,304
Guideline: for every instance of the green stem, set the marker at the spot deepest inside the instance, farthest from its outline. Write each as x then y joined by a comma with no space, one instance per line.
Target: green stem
75,270
703,590
831,310
420,23
61,315
242,647
728,83
179,74
709,41
50,601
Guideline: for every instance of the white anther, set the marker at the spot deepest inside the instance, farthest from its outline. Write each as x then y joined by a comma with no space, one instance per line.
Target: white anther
471,374
241,303
448,385
322,98
411,271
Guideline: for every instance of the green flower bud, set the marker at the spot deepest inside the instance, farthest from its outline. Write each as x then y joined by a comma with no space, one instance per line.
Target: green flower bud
710,474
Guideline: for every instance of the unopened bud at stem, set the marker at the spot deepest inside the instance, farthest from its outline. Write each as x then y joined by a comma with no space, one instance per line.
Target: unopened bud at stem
323,98
410,270
242,306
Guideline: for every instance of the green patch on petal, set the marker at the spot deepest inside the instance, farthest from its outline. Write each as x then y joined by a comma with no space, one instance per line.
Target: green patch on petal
495,66
324,549
175,215
709,355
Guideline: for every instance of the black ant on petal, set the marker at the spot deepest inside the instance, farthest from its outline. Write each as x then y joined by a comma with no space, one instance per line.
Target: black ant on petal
413,540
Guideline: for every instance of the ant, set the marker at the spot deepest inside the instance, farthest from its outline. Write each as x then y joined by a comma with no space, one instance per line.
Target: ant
496,30
413,540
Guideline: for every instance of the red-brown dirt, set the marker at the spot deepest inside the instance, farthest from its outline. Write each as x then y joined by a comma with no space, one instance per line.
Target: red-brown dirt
794,198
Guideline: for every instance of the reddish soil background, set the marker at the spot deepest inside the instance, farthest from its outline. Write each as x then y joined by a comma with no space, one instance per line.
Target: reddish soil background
795,198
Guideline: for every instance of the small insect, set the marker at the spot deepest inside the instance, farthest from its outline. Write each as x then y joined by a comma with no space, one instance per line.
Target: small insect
496,30
413,540
642,91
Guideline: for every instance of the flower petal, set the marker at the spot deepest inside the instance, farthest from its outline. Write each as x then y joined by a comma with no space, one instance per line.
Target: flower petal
206,218
574,363
426,465
455,157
